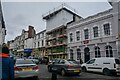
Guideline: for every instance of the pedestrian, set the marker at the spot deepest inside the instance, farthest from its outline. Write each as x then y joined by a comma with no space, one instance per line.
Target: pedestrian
7,64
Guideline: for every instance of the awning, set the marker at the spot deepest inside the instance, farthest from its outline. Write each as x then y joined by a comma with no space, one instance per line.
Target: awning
27,50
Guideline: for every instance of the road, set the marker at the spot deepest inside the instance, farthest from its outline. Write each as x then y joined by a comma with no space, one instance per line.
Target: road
45,75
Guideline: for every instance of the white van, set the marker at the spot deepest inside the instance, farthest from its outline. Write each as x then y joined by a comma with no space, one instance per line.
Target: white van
105,65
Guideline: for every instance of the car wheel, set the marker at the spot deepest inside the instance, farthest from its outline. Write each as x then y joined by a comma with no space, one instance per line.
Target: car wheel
84,69
35,77
106,71
49,69
63,72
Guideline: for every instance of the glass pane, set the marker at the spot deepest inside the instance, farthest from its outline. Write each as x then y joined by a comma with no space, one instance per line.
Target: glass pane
24,62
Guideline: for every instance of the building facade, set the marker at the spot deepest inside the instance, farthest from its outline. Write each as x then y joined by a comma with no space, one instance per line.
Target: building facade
2,27
24,42
39,44
95,36
56,36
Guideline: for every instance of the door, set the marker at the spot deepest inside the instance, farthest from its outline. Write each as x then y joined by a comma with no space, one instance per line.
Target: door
86,54
93,66
90,65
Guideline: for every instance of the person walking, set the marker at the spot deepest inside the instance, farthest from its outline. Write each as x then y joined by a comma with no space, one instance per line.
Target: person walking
7,64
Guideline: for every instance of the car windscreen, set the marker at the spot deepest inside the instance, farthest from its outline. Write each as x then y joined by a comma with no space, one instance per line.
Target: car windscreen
117,61
24,62
72,62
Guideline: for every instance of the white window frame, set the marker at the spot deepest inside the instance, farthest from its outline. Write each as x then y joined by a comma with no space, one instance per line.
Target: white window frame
103,29
88,33
76,35
72,37
93,32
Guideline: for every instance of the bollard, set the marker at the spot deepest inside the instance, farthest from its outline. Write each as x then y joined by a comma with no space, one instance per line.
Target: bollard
54,74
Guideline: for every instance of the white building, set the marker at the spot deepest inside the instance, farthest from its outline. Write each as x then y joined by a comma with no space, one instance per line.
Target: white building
56,25
28,44
39,44
95,36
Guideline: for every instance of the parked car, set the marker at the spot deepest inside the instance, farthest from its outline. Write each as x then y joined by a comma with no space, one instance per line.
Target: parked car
105,65
34,59
25,68
52,61
64,67
44,60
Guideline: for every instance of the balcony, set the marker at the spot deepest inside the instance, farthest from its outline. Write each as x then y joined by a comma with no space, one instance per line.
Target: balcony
62,35
57,45
50,38
59,36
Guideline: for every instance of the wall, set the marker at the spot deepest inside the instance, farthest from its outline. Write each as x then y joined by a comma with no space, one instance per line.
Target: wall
29,43
99,19
59,19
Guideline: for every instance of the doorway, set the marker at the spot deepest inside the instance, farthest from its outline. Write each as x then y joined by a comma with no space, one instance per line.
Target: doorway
86,54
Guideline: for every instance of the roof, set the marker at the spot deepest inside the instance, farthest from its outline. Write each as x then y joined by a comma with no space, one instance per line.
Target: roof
54,12
41,32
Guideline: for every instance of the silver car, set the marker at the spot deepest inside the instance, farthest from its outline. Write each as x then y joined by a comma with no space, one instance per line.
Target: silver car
25,68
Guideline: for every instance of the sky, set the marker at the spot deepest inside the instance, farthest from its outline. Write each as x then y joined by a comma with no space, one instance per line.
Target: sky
19,15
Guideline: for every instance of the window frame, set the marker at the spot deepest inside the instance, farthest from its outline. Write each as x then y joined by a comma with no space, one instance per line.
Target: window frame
109,49
86,35
71,37
98,54
94,32
108,31
77,35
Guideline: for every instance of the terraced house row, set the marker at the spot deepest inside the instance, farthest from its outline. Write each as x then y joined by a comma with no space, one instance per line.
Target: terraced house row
70,36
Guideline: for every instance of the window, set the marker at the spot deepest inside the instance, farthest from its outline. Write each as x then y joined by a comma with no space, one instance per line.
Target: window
42,43
78,54
61,62
86,34
38,44
71,54
38,36
42,34
97,52
35,45
35,37
117,61
91,61
71,37
95,31
107,29
78,35
61,31
109,52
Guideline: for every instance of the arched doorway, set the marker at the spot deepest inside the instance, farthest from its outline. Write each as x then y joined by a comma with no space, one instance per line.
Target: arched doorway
86,54
71,54
78,54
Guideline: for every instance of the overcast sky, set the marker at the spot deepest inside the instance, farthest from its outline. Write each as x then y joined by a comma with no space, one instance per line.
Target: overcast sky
19,15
